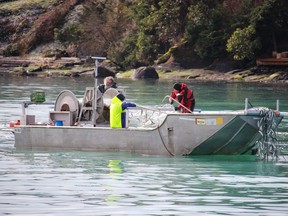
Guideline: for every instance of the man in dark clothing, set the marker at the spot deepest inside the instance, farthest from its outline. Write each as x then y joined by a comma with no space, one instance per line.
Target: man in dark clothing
109,82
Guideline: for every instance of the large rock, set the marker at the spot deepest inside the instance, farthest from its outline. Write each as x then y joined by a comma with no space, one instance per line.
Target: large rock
145,73
104,72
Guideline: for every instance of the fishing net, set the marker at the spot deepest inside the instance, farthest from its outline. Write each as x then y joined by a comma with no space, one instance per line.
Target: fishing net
267,145
148,117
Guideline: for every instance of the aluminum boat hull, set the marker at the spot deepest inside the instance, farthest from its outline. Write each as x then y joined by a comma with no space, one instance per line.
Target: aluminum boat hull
178,134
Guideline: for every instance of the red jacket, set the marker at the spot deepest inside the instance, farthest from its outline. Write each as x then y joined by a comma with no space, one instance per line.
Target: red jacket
185,97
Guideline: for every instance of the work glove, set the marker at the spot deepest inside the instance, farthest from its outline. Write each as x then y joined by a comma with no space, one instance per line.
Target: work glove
176,108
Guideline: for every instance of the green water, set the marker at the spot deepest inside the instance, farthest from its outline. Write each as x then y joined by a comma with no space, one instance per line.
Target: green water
91,183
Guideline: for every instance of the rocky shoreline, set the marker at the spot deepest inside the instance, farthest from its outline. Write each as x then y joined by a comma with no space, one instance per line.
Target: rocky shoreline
77,67
44,67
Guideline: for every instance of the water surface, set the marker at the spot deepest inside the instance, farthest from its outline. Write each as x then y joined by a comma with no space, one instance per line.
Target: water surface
93,183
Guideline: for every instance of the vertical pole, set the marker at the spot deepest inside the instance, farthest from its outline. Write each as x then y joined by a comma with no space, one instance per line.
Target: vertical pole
23,115
23,108
94,106
246,105
127,117
95,93
277,105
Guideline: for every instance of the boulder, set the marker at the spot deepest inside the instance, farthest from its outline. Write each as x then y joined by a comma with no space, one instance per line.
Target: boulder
145,73
104,72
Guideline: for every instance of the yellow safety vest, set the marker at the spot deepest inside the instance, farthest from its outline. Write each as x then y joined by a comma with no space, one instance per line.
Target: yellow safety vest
115,113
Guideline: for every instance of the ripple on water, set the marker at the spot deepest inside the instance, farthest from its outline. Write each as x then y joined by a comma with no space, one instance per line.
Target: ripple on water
89,183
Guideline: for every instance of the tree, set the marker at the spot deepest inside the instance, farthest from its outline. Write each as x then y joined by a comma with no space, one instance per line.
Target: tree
242,43
103,23
205,30
265,30
271,24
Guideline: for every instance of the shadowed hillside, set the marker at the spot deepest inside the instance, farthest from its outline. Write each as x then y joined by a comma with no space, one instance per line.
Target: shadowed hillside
220,34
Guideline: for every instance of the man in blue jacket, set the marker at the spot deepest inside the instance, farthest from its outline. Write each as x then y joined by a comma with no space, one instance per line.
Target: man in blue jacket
118,111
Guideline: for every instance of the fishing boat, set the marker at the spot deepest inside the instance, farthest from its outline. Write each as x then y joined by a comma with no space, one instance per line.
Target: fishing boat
81,125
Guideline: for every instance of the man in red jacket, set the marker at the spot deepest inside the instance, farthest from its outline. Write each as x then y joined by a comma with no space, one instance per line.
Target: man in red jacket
184,96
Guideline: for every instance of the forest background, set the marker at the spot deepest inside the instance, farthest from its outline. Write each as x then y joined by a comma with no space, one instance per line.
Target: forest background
216,34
